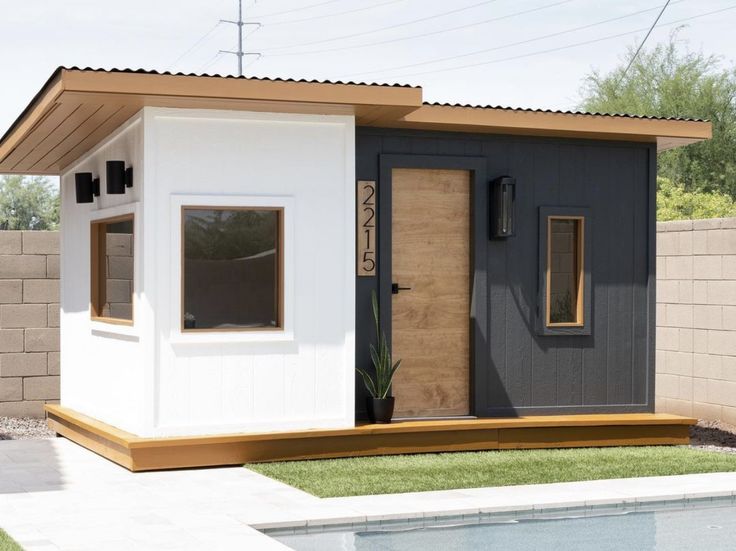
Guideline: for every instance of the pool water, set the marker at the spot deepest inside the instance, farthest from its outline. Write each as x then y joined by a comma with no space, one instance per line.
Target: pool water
672,528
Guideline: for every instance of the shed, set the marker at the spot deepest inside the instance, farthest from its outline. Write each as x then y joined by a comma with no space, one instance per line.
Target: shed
221,238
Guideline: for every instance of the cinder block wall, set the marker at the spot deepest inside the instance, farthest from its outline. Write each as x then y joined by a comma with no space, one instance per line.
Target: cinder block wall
696,318
29,321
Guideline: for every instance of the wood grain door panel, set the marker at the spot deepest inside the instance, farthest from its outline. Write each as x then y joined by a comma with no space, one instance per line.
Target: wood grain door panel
430,238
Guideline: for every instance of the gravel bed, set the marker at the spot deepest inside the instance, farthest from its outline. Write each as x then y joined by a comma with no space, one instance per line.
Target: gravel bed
23,428
713,436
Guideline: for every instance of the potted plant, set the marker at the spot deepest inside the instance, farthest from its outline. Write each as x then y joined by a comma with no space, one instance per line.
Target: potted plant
380,404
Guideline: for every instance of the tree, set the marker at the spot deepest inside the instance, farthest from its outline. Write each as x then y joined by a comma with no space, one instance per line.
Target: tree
668,81
218,234
28,203
674,202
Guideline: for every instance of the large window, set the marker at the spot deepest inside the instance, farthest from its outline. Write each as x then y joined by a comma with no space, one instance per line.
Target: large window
112,270
564,300
232,268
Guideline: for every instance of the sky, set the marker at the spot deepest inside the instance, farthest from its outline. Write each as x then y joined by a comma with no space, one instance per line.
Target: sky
521,53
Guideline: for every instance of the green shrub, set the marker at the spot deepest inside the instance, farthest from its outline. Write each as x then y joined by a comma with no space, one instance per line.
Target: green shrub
674,202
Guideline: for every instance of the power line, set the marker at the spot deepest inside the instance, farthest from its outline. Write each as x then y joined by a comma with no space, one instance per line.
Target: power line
197,43
202,68
550,50
273,14
373,31
642,42
356,10
432,33
509,45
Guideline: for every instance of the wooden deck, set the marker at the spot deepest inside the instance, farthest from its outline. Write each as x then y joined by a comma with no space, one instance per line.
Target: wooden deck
554,431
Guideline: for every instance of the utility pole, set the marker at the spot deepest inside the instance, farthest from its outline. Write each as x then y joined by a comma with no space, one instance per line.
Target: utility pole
240,53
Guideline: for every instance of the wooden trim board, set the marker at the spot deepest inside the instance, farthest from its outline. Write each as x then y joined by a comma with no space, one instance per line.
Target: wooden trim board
555,431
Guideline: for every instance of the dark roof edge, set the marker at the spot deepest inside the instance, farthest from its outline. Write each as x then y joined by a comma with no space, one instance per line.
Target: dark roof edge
563,112
141,71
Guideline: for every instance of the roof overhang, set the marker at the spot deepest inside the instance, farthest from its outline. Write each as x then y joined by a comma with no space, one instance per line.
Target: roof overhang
666,133
77,108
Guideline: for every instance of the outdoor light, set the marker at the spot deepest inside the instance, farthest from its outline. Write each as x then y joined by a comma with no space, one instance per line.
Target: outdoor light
87,187
503,195
118,178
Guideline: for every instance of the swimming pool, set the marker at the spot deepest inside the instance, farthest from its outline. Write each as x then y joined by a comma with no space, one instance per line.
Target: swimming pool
673,526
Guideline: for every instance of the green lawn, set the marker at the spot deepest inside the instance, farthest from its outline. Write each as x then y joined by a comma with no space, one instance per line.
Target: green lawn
7,543
444,471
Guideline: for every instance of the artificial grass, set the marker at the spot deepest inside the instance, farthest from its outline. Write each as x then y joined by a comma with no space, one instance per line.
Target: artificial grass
7,543
445,471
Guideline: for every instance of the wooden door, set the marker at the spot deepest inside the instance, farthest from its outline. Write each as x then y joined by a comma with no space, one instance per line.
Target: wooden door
430,238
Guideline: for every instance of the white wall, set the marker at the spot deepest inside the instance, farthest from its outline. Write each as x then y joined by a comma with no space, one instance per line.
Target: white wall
152,380
105,368
303,376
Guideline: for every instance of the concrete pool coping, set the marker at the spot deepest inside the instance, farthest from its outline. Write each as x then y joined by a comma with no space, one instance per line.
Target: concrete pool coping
514,516
512,500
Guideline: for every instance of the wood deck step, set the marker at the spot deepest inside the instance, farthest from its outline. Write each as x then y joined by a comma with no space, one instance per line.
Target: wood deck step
553,431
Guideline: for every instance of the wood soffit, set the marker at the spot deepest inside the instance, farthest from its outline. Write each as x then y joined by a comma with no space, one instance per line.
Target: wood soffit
77,108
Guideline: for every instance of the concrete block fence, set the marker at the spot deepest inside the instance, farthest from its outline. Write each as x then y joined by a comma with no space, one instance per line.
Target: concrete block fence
29,321
696,318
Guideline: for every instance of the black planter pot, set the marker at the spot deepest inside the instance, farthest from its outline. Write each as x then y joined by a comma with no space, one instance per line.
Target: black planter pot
380,410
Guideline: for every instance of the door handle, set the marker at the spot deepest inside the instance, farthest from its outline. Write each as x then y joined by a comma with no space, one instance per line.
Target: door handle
395,288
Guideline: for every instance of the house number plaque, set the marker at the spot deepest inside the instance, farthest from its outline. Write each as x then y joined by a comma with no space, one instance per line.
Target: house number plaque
367,227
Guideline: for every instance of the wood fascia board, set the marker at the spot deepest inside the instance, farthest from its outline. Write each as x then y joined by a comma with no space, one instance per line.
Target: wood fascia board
141,454
240,89
35,114
509,121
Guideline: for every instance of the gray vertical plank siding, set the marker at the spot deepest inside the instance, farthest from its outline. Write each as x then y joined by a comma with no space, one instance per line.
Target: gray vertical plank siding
516,371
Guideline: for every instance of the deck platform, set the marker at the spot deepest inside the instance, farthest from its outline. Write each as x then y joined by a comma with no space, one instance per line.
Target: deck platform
553,431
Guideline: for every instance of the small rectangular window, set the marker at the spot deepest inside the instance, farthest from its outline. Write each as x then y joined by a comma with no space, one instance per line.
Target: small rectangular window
112,290
232,268
565,278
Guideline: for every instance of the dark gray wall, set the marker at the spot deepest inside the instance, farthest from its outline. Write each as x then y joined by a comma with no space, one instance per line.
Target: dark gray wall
515,370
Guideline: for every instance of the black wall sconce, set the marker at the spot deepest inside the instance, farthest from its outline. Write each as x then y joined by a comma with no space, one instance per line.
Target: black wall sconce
503,196
118,177
87,187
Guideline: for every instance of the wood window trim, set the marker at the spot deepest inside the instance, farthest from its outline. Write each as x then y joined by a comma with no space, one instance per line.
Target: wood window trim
579,268
584,322
98,274
279,291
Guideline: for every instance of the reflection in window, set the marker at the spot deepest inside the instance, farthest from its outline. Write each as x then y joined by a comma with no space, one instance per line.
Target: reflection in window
231,268
564,271
112,269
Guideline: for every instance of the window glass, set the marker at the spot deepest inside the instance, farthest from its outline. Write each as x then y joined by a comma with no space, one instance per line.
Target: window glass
112,269
231,268
564,285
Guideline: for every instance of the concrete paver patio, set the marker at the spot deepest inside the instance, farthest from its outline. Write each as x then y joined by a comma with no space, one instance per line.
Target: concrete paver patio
57,495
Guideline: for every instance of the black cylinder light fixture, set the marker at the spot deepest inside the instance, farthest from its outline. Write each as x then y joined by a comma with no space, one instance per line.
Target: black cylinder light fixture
87,187
115,177
503,196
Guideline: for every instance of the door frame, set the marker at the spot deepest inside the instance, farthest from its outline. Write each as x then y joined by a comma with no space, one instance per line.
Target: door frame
479,235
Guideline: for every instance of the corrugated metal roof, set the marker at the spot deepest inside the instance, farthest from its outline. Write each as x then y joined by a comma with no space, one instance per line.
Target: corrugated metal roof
562,112
233,77
399,85
107,97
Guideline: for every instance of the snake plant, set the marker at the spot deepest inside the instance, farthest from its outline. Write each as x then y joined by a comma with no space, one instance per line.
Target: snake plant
379,385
